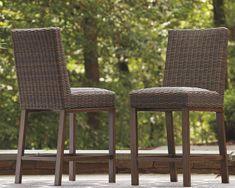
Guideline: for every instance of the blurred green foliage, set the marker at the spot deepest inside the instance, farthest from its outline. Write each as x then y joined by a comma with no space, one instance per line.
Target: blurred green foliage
129,31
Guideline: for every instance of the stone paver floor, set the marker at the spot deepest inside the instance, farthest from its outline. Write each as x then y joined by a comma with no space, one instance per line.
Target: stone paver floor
123,180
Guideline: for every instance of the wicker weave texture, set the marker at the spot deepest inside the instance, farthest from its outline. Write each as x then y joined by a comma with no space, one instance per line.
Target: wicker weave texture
90,98
197,58
194,73
42,75
42,78
175,97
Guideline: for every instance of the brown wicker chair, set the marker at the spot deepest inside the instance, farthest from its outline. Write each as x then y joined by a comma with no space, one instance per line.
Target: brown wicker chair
194,81
44,86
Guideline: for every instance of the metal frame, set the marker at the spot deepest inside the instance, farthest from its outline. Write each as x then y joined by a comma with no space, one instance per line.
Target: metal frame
60,157
185,159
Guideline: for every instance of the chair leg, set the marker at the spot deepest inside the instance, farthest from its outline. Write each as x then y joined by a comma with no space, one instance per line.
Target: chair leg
222,147
72,145
186,149
171,145
134,148
21,146
112,160
60,149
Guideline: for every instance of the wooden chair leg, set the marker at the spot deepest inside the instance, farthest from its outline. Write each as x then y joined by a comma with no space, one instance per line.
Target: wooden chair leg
134,148
21,146
60,149
222,147
171,145
112,160
186,149
72,145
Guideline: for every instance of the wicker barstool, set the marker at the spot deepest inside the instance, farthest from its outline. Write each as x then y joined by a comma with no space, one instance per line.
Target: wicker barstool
194,81
44,86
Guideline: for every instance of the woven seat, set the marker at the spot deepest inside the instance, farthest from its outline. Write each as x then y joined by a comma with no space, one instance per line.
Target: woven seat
194,80
44,86
90,98
175,97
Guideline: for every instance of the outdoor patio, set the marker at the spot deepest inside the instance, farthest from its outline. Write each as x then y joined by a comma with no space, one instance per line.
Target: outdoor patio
155,178
88,181
131,92
93,166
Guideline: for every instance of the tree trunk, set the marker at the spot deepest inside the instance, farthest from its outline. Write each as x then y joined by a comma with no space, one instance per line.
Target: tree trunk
122,59
90,49
219,15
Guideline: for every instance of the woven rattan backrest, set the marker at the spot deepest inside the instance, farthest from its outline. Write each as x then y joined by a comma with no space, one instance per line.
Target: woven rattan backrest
197,58
41,72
